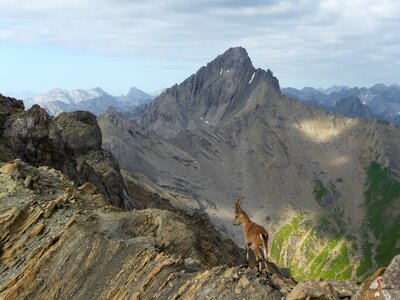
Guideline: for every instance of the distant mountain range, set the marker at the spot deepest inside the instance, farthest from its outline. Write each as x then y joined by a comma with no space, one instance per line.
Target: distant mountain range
379,101
94,100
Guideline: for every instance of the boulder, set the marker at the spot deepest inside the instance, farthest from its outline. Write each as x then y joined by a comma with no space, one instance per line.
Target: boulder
80,131
322,289
384,284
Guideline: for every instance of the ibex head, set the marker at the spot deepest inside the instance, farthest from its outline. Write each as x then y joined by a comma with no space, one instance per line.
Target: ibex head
238,212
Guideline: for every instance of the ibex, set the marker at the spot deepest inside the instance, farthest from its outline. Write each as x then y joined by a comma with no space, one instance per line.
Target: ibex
254,235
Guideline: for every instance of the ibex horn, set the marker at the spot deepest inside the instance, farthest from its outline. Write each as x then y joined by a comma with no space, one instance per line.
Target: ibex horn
238,202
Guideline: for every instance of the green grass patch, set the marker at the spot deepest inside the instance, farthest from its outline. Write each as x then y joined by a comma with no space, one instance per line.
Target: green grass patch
282,237
338,268
382,195
319,191
366,262
320,250
322,259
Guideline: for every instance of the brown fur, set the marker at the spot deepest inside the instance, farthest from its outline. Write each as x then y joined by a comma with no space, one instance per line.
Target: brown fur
255,235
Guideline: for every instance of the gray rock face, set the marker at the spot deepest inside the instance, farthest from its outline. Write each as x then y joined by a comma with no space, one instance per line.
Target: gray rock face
391,278
384,284
327,290
70,143
34,137
352,107
82,134
9,105
80,130
213,95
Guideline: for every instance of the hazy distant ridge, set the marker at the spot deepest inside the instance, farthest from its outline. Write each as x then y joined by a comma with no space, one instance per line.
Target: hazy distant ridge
94,100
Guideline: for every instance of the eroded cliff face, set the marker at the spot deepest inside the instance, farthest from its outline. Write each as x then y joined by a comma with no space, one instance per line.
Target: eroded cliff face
60,241
70,143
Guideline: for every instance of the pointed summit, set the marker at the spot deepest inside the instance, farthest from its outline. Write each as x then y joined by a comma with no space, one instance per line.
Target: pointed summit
138,95
236,55
233,59
214,95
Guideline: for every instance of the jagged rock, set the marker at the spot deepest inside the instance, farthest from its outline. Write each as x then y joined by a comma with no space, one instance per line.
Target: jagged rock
323,290
70,143
9,106
213,95
391,278
37,229
313,290
34,137
88,189
10,168
80,131
327,290
383,284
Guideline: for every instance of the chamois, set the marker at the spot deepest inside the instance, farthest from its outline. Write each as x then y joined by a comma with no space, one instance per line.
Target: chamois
254,235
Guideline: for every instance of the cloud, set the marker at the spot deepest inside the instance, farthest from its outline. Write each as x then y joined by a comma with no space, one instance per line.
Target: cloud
289,36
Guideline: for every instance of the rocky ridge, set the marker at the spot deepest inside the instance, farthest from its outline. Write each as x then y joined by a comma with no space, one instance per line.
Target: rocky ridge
55,235
61,241
70,143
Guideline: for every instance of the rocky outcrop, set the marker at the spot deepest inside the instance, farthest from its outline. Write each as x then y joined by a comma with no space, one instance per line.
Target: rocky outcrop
82,134
327,290
80,131
34,137
71,143
384,284
63,242
9,106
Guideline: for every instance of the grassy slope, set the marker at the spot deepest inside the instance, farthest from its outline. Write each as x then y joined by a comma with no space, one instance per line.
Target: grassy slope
312,248
382,199
320,247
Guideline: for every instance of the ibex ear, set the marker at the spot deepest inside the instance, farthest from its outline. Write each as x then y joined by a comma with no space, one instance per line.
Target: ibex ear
237,204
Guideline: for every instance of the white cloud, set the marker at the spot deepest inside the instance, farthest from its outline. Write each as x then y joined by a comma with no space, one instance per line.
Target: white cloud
289,36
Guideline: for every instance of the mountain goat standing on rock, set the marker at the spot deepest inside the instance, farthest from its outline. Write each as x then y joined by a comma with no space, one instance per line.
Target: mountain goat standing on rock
254,235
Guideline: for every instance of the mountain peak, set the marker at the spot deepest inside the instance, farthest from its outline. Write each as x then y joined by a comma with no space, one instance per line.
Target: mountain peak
232,59
236,53
213,95
98,90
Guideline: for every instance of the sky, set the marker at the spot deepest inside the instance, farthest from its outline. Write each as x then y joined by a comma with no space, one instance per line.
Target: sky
117,44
